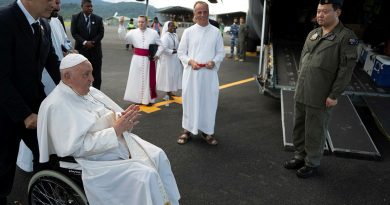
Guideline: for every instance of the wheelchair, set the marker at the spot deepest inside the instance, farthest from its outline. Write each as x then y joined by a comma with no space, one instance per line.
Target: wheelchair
59,183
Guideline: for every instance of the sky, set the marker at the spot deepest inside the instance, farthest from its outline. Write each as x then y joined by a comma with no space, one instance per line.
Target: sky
221,7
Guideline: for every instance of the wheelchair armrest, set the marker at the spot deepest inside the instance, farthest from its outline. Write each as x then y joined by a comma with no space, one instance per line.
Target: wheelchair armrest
55,158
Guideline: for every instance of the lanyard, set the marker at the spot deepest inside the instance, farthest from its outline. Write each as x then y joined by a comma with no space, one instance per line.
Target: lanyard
173,39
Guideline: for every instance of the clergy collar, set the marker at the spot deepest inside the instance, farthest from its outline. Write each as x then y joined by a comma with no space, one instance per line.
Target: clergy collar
199,26
69,89
88,97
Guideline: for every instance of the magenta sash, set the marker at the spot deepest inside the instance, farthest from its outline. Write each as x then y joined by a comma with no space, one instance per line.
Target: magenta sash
152,71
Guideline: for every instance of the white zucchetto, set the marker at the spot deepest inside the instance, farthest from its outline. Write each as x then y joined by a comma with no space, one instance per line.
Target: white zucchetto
71,60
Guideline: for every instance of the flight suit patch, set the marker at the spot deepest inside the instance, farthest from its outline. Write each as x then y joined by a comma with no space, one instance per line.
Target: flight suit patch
314,37
353,41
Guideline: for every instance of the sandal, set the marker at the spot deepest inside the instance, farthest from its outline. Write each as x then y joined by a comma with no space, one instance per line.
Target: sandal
210,139
184,138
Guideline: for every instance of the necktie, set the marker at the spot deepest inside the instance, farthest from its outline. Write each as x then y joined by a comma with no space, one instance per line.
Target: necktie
88,25
37,31
37,35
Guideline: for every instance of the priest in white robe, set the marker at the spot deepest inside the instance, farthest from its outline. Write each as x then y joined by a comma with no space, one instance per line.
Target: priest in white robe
60,41
169,67
118,167
201,52
141,83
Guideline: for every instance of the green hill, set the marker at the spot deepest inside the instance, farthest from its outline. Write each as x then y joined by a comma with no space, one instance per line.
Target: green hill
101,8
105,10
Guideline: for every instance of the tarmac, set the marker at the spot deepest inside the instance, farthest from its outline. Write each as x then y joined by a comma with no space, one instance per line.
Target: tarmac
246,166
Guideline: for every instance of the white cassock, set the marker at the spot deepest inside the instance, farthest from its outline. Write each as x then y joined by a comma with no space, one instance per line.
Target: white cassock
81,126
200,87
59,37
138,84
169,68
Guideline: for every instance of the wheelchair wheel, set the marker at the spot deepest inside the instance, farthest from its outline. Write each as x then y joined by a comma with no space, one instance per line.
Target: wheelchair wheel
51,187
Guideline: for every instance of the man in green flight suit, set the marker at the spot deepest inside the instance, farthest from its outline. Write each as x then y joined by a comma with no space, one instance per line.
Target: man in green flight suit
129,27
325,69
243,33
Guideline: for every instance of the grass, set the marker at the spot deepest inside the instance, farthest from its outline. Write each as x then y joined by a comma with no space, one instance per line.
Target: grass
67,23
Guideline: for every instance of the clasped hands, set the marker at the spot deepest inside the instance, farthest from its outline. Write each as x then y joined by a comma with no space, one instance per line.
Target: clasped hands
196,66
89,44
31,121
127,120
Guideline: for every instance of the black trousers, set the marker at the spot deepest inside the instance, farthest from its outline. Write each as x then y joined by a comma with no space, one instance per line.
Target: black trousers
96,61
97,73
10,135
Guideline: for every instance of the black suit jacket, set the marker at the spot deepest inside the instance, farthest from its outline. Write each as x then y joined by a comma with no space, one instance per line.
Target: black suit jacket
21,90
80,34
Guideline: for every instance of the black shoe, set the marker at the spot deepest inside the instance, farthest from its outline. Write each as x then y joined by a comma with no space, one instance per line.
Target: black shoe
150,104
306,172
294,163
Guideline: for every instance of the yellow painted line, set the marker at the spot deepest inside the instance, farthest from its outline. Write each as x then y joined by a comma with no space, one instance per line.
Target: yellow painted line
236,83
148,109
156,107
251,54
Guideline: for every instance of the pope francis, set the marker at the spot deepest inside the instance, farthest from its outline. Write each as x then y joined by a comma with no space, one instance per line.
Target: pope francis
118,167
